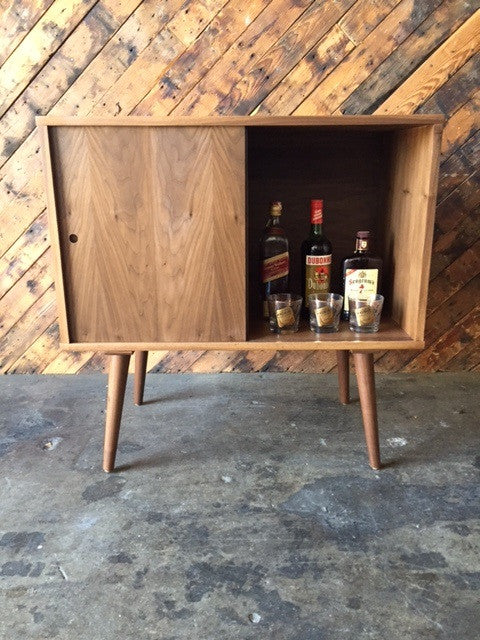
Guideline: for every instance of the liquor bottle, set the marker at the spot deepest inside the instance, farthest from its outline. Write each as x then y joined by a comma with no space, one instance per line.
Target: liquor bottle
362,271
274,257
316,255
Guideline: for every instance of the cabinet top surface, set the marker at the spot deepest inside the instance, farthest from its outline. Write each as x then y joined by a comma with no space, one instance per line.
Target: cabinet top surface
248,121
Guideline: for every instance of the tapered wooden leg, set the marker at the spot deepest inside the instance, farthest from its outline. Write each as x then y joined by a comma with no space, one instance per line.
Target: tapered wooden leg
343,376
117,380
140,372
366,389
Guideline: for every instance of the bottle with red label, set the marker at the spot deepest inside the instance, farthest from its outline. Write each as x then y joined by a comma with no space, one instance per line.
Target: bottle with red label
274,257
362,271
316,255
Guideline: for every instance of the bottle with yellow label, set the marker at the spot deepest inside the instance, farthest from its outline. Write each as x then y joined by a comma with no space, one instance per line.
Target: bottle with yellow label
362,271
316,255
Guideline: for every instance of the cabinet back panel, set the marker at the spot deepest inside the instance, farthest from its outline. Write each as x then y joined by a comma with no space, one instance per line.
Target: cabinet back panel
349,170
146,218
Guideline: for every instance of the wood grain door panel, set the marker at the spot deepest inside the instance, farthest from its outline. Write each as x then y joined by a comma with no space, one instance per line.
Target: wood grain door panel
152,232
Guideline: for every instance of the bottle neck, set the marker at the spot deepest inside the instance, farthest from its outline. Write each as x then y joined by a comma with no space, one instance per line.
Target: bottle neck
316,218
274,221
362,245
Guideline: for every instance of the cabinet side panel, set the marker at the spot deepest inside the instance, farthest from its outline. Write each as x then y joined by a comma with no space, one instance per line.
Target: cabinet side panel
139,218
54,234
409,229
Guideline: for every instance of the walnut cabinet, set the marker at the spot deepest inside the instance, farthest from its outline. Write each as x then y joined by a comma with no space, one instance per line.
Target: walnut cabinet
155,226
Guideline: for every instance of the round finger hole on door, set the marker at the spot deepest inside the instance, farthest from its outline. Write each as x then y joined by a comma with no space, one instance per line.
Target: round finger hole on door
73,237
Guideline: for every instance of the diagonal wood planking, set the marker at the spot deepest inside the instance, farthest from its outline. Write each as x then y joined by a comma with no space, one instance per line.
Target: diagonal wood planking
16,20
228,56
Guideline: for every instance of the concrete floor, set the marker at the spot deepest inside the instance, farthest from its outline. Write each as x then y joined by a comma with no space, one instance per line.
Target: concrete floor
243,508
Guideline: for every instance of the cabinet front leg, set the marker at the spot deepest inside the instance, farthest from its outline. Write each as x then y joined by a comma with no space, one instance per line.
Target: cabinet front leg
117,380
366,389
343,376
140,372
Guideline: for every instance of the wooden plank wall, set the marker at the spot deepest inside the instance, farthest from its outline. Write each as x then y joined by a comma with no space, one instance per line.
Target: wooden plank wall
200,57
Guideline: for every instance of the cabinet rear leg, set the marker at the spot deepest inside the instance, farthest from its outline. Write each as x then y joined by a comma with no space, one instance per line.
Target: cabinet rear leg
117,380
343,376
366,389
140,372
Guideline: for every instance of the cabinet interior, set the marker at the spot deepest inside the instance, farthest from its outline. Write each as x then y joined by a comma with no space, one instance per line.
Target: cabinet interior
366,177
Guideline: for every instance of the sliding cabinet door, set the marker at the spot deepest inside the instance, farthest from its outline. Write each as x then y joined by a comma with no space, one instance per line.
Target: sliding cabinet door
151,232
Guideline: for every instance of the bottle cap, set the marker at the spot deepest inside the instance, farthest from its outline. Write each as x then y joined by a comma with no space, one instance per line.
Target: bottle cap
276,208
363,234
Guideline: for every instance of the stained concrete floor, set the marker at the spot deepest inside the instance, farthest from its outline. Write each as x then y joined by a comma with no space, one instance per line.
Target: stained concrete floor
243,508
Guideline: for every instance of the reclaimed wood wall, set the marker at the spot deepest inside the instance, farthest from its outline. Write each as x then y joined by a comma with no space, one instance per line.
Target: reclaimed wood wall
200,57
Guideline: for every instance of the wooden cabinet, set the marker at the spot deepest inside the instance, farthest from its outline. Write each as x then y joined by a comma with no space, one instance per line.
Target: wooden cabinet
155,225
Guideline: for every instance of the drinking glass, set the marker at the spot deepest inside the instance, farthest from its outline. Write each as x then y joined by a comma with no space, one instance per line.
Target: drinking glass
284,311
365,313
325,310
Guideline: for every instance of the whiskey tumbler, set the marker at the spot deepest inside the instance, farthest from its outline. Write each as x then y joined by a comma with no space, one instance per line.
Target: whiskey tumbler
284,310
365,313
325,310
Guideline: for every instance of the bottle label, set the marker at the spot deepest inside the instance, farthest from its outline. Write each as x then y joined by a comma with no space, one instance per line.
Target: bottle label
361,244
324,316
317,275
316,212
365,316
275,267
285,317
359,282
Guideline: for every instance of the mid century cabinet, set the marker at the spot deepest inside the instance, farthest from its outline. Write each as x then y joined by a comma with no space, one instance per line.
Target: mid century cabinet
155,226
